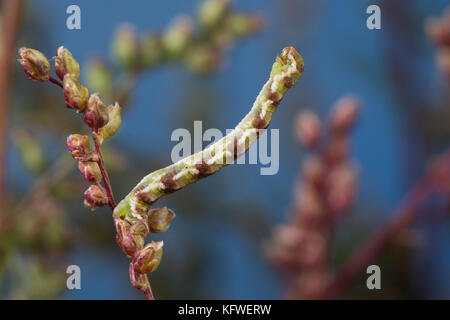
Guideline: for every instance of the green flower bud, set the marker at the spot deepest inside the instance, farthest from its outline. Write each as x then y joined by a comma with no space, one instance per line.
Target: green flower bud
75,95
95,196
126,47
35,64
98,77
90,171
96,114
212,12
65,63
151,50
245,24
115,120
147,260
177,36
160,219
203,58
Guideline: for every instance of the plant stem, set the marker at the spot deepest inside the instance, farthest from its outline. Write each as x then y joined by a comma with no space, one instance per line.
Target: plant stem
56,81
106,181
148,293
402,218
10,15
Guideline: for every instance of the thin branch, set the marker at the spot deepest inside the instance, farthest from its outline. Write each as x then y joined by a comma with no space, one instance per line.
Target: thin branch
10,16
56,81
106,181
403,217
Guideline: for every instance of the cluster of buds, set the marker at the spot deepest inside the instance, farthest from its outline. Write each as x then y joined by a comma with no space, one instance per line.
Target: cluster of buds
325,191
130,237
197,43
103,121
438,30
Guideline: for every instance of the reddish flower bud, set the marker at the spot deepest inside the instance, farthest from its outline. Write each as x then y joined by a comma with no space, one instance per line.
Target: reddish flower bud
95,197
78,145
308,129
124,238
90,171
96,114
344,114
75,94
148,259
313,170
65,63
160,219
35,64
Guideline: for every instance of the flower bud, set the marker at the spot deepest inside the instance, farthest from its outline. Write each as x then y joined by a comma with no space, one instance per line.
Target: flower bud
96,114
124,238
212,12
140,228
78,145
178,35
308,129
126,47
203,58
65,63
90,171
114,121
98,76
244,24
159,219
344,114
151,50
35,64
75,94
313,170
95,197
148,259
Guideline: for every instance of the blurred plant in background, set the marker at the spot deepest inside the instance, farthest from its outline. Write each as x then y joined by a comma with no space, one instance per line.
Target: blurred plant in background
34,233
327,188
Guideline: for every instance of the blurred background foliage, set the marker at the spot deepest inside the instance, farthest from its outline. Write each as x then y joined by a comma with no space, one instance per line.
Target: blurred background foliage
213,249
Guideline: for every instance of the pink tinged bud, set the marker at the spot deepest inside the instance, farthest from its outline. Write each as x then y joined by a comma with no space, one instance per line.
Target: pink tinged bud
96,114
160,219
341,185
344,114
90,171
35,64
337,149
124,238
65,63
313,170
147,260
78,145
75,95
308,129
95,197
